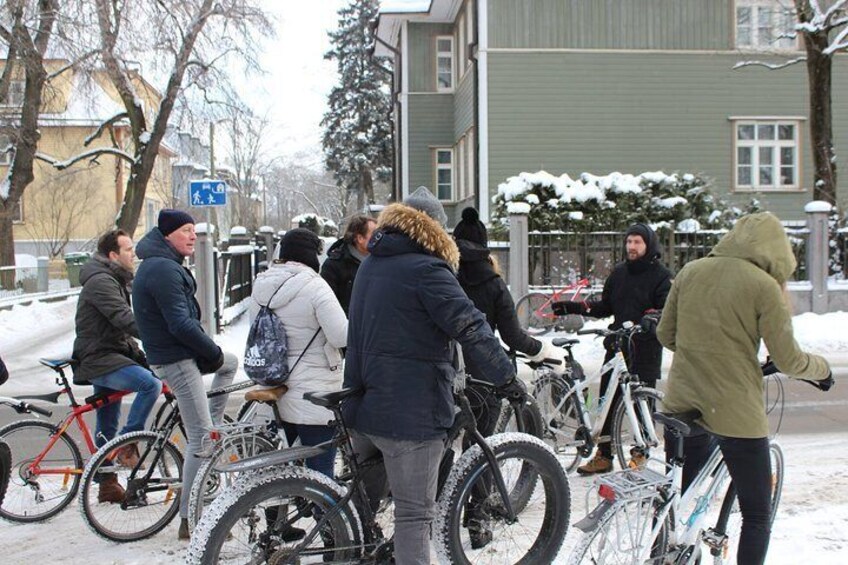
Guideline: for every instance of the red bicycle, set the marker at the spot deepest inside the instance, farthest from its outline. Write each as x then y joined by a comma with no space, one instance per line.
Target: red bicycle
46,461
536,316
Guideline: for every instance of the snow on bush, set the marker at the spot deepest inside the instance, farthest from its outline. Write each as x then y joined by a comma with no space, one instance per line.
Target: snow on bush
614,201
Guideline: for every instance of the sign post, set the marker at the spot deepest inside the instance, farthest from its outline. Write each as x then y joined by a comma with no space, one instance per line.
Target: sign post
207,193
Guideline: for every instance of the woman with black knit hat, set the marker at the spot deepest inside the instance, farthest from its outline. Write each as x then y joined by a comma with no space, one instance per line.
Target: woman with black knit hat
479,277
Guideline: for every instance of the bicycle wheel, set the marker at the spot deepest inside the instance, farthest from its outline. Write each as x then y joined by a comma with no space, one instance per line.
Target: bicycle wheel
531,419
623,438
623,534
534,313
208,483
36,495
729,523
254,521
5,468
152,497
561,421
539,529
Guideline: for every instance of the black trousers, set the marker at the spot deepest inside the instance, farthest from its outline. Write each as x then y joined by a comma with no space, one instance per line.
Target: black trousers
749,465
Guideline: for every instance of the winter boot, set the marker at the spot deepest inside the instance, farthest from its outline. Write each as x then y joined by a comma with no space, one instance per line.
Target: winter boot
638,460
110,489
127,456
599,464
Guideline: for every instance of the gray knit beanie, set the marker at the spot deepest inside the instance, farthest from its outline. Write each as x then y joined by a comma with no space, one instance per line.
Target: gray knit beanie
423,200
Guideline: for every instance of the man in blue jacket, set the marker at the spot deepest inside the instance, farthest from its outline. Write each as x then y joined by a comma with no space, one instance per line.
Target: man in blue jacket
168,318
406,310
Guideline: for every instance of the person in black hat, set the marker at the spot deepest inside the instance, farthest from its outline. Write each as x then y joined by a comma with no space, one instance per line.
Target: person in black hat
637,285
179,352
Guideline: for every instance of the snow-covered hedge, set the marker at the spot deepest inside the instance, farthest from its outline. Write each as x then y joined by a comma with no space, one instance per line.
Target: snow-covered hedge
317,224
612,202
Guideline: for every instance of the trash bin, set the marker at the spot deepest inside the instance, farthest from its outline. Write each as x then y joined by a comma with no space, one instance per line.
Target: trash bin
74,262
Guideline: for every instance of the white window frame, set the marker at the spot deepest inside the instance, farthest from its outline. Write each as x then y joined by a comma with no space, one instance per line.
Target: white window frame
20,218
444,166
469,154
462,182
15,98
5,156
779,14
149,213
461,48
449,55
777,164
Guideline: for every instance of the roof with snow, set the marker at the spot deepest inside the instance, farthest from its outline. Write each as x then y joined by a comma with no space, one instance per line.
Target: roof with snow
394,12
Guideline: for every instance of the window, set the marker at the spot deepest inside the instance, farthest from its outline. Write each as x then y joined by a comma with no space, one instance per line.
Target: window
16,94
6,153
444,174
444,63
764,24
766,155
18,213
461,181
149,213
469,153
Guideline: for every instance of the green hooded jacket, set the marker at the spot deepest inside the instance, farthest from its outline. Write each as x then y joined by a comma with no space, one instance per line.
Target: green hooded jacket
718,310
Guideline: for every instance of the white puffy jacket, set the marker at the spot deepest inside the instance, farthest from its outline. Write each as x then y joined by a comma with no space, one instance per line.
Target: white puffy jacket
304,304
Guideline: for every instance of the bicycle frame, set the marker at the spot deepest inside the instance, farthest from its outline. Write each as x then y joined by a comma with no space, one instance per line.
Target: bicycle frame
574,289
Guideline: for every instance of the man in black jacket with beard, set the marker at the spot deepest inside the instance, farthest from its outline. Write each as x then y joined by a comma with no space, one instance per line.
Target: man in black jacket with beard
636,285
345,256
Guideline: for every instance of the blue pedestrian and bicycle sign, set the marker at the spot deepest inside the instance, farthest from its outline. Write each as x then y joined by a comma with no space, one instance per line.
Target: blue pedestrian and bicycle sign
207,193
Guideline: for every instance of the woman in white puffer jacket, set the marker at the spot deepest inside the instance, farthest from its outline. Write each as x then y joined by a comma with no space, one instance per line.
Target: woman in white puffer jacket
305,304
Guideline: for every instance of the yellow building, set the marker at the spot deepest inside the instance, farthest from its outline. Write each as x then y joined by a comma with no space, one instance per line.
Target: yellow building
63,211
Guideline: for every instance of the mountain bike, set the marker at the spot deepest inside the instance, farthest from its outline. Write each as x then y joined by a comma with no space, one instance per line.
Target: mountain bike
535,313
512,484
571,426
152,486
47,460
644,517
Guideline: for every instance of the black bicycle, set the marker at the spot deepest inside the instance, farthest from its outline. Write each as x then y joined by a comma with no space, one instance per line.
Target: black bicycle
510,485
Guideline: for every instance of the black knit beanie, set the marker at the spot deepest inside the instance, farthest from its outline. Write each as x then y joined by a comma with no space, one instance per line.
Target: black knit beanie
171,220
471,228
301,245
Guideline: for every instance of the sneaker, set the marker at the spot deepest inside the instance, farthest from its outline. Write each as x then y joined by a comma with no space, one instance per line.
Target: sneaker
183,533
110,489
598,464
127,456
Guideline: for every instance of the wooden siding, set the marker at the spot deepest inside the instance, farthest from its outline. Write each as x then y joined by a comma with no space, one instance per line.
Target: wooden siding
636,112
610,24
463,104
422,55
430,125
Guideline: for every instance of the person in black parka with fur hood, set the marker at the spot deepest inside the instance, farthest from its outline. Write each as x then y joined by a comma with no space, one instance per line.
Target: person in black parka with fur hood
637,285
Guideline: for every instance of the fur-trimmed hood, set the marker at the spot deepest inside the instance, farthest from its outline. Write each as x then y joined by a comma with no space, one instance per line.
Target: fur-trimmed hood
420,228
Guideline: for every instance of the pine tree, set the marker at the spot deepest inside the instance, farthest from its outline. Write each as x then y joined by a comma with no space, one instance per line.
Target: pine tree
357,128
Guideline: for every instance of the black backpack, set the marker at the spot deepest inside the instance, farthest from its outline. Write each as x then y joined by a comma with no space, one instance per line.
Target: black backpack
266,353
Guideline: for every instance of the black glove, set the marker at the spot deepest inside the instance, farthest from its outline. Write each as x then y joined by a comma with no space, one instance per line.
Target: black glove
650,321
207,366
824,385
566,307
514,388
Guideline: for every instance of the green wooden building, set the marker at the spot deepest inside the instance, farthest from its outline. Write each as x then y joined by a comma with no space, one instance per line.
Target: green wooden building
486,89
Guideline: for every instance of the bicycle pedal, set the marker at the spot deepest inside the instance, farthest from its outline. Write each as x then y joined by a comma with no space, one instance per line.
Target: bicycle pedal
714,540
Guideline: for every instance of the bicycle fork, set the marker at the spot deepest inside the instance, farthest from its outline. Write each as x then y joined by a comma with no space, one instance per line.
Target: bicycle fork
634,412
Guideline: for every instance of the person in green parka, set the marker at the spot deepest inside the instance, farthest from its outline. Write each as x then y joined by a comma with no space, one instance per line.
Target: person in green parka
719,309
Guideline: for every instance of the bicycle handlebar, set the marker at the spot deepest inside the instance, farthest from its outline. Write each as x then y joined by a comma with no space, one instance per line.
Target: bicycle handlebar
627,329
22,407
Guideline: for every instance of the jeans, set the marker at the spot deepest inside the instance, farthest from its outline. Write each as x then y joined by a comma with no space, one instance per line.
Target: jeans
198,415
749,465
132,377
412,468
313,435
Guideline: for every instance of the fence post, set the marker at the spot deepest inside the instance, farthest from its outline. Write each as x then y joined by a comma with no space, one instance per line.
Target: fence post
818,252
519,249
43,282
204,261
267,232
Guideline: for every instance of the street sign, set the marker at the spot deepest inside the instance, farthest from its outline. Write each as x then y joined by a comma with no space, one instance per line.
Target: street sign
207,192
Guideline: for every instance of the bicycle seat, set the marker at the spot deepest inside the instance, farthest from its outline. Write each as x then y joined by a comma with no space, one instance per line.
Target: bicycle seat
680,422
564,341
266,395
57,364
330,399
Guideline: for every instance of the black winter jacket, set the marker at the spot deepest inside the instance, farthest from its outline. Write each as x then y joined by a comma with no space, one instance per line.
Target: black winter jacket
105,326
632,288
166,311
489,293
339,270
406,308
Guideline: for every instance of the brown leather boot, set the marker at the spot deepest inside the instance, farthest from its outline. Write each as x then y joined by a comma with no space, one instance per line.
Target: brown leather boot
110,489
598,464
127,456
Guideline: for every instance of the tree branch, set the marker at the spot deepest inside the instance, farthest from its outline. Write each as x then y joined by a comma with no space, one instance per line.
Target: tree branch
71,65
111,121
92,154
773,66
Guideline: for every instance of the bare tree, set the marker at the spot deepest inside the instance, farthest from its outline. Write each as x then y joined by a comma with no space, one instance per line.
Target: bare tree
824,31
247,134
26,28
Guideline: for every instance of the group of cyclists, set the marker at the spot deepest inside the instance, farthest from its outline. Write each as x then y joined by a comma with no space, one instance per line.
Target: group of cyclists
394,319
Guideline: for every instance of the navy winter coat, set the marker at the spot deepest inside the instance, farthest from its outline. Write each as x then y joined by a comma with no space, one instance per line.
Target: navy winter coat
407,307
167,314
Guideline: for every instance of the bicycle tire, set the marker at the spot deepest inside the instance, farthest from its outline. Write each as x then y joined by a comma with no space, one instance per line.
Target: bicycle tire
220,532
534,313
614,541
208,483
729,521
36,500
532,422
105,518
510,542
561,425
5,468
620,434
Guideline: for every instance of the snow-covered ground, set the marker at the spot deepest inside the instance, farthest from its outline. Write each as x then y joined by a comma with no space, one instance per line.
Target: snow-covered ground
811,527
